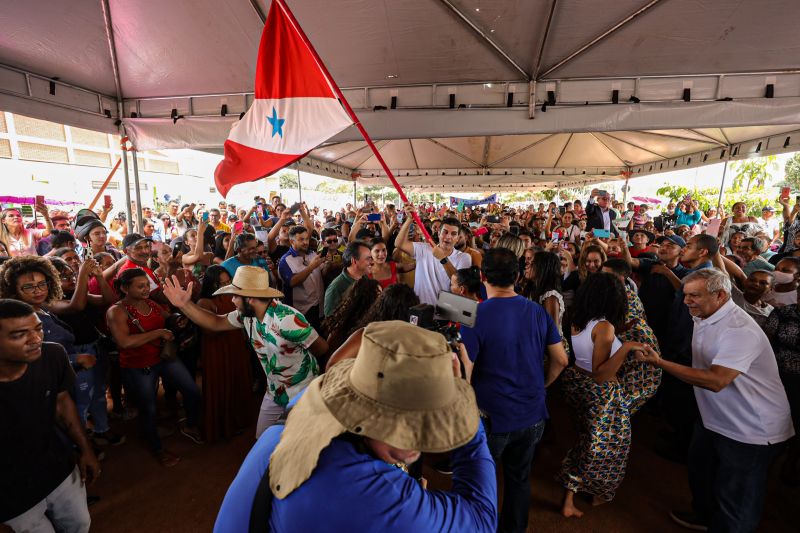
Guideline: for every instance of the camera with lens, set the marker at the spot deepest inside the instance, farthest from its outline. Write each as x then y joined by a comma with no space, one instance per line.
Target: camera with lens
444,317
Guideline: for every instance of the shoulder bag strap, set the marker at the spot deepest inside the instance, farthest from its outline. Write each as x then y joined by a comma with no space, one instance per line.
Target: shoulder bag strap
134,319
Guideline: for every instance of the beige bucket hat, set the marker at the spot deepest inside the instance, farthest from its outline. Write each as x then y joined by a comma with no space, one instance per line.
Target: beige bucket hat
400,389
250,281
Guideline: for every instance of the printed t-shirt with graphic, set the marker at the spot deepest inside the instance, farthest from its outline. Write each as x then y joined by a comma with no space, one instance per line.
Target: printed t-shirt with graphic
282,342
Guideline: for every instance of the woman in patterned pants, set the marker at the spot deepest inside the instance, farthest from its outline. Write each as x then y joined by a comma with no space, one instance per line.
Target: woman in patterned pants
596,463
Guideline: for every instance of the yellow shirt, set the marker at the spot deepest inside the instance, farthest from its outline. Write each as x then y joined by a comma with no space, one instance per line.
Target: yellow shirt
222,227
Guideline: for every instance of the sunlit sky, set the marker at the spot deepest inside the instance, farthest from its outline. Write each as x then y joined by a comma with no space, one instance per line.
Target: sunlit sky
203,164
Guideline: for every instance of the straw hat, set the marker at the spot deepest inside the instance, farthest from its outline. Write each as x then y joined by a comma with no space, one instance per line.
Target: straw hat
250,281
399,389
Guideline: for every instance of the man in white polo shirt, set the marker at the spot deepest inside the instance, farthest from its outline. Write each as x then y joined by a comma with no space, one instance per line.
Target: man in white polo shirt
435,264
743,407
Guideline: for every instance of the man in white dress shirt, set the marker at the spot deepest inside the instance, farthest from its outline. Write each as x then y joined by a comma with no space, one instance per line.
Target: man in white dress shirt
745,417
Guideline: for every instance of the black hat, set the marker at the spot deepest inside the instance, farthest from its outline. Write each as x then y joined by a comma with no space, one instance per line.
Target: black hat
649,235
85,225
132,239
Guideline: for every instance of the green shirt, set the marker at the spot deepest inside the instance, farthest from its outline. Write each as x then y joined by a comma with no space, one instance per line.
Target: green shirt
337,288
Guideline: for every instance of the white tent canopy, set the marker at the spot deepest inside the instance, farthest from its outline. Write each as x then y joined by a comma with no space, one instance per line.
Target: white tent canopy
464,94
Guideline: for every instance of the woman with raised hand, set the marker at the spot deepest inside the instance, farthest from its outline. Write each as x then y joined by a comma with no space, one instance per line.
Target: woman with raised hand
20,240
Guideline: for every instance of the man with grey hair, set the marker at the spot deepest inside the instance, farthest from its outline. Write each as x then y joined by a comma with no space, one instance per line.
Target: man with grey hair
744,412
750,251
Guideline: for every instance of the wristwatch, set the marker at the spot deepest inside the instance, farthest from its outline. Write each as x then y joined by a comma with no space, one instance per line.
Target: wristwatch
443,261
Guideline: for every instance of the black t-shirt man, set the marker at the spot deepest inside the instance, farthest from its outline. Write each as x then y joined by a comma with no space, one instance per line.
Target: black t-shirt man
279,251
35,455
657,295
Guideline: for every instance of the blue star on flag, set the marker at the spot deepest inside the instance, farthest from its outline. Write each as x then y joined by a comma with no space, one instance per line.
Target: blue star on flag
277,123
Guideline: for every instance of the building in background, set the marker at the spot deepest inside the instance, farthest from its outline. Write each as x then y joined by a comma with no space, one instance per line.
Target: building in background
68,163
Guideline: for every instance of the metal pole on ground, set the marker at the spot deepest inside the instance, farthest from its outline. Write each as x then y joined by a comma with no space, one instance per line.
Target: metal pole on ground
355,194
299,187
722,185
127,183
139,222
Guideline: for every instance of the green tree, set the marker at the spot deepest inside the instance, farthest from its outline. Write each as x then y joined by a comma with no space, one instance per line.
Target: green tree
792,169
289,180
340,187
755,199
753,171
549,194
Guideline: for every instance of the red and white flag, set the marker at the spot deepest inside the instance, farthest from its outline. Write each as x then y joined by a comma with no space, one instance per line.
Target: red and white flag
294,111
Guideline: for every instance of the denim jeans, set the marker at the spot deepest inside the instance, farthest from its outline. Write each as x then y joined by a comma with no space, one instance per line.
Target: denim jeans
728,480
143,383
514,450
90,389
63,510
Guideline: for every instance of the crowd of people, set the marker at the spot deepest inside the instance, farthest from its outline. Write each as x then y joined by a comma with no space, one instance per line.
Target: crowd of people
693,314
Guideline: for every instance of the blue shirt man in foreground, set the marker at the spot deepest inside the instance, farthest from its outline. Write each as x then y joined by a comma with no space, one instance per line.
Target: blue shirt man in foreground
339,463
507,345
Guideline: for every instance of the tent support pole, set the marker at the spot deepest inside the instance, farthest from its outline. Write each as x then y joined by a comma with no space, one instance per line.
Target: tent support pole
138,213
722,185
112,52
299,186
127,185
355,194
600,37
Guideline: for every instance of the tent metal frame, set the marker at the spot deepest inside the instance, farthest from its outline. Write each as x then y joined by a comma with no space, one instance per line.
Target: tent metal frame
493,94
605,34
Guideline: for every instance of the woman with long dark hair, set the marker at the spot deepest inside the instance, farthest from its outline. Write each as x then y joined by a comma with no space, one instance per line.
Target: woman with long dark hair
137,325
596,463
384,269
590,261
544,287
222,247
356,302
226,365
394,303
467,282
